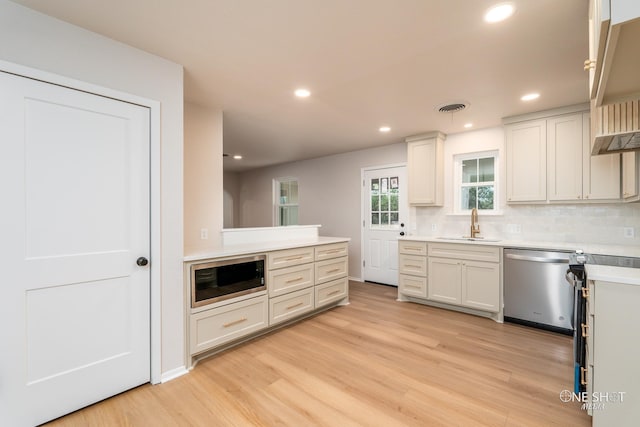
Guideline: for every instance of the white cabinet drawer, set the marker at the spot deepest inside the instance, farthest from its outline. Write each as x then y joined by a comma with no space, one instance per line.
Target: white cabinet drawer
413,286
412,248
334,250
290,305
289,257
412,264
329,292
213,327
289,279
461,251
330,269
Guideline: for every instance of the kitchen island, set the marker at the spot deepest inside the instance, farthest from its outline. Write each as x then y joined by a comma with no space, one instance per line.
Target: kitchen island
290,273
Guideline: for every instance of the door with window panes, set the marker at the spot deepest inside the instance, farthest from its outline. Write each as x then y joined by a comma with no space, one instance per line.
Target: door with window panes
385,216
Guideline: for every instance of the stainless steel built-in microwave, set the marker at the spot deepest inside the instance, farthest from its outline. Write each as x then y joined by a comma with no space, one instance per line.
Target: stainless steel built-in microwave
221,280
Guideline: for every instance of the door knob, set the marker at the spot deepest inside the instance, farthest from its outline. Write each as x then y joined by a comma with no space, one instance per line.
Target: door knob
402,233
142,261
402,224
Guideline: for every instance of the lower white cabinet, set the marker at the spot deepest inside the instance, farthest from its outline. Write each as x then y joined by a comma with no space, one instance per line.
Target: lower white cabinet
458,275
414,286
220,325
291,305
330,292
445,280
481,285
471,279
613,352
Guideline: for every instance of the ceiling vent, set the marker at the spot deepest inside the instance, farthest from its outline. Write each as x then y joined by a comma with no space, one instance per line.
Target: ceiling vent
453,107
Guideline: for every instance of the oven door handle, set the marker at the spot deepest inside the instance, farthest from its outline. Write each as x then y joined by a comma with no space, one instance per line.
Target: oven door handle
570,278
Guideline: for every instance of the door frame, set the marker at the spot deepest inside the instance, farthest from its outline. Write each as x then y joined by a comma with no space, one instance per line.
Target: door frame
154,191
364,199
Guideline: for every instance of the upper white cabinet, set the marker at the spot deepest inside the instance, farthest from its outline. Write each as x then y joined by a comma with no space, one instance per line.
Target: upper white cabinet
564,154
630,170
526,149
549,160
614,60
425,158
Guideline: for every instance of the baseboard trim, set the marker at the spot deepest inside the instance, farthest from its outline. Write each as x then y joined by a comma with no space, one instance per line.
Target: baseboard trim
173,374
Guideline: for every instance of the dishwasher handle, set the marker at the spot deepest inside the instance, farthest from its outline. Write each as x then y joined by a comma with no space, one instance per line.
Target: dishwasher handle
538,259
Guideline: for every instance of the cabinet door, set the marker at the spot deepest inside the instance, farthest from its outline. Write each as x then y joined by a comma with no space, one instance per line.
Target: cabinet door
444,283
526,148
425,168
412,286
414,265
481,285
630,176
601,174
564,151
616,352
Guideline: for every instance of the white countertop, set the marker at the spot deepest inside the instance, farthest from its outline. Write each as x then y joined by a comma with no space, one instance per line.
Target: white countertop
261,247
590,248
608,273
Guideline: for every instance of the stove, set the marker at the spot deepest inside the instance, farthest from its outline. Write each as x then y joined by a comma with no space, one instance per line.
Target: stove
577,277
580,258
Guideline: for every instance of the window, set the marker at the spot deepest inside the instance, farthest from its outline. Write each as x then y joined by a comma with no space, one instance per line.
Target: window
476,179
286,201
383,196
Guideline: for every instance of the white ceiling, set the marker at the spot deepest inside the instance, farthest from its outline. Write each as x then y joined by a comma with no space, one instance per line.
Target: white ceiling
367,63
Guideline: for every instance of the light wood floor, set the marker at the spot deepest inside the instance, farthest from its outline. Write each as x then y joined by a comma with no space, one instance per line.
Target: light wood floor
376,362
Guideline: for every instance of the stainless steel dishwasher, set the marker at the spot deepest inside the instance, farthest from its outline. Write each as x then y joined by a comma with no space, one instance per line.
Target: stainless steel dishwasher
535,290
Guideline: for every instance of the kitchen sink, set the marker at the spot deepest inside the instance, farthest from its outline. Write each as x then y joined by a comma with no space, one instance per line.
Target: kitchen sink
470,239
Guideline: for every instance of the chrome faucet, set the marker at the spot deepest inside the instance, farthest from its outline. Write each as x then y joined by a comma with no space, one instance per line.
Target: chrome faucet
475,226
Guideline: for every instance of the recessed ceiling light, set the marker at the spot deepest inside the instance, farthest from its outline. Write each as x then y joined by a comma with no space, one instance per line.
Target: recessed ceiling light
468,125
237,156
530,96
302,93
384,129
499,12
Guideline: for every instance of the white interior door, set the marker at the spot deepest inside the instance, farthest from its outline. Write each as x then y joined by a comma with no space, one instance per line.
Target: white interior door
74,303
386,211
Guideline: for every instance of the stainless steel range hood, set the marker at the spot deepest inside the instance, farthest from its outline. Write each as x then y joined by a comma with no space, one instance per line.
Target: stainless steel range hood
616,128
618,143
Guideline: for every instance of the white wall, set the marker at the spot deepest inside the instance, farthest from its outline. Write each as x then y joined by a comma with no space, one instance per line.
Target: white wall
231,199
203,199
35,40
329,193
592,223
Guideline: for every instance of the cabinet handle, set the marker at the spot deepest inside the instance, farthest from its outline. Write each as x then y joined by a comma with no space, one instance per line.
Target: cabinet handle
235,322
334,292
583,373
293,258
585,328
413,248
333,251
295,305
412,266
335,270
585,293
297,279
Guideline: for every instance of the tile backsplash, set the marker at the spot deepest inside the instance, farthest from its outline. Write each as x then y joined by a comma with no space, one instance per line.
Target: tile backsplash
606,224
